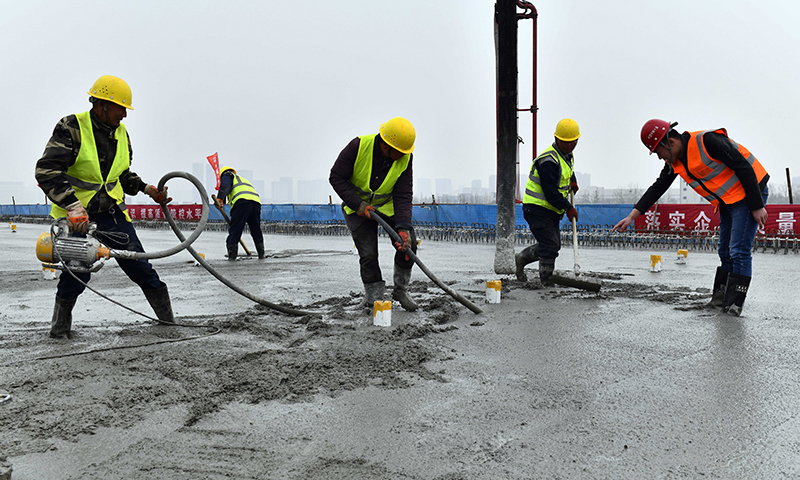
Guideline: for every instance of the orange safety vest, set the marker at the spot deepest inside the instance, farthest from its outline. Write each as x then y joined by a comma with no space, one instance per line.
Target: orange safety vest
711,178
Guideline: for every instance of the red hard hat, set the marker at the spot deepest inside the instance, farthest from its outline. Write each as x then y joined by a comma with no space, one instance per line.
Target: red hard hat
653,132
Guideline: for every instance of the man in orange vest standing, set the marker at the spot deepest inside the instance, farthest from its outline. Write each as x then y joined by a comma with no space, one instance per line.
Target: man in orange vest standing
727,175
373,176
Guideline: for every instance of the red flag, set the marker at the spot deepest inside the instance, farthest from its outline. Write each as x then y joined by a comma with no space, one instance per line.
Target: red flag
214,161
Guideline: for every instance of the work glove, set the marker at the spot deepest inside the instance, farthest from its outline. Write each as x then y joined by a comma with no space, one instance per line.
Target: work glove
364,210
572,214
405,241
160,196
574,187
77,218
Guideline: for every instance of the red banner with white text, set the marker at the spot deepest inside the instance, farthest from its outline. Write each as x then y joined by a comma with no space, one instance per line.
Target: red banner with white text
701,218
190,213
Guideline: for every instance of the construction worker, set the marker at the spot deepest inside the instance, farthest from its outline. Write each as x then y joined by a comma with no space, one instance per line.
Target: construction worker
245,210
373,176
730,178
85,171
547,199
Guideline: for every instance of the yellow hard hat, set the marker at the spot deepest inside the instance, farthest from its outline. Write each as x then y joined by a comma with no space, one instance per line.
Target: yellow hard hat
113,89
567,130
224,169
399,134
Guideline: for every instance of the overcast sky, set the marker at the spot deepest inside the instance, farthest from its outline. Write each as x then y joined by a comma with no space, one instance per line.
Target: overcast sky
280,87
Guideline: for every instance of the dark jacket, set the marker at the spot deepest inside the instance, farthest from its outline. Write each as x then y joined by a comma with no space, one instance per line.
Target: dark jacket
403,194
62,151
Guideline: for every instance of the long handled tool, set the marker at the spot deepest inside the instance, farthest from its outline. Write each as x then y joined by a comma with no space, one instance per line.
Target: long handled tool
576,269
227,220
413,256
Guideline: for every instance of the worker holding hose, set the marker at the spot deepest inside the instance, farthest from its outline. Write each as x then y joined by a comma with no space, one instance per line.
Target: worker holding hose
546,201
245,210
373,176
730,178
85,172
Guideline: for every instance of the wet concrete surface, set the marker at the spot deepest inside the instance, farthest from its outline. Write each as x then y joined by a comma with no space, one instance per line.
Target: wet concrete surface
637,381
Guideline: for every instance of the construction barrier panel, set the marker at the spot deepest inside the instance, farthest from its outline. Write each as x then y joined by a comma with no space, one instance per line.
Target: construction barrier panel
678,217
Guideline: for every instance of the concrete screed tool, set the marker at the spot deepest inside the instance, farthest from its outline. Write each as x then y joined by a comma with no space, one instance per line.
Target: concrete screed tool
576,269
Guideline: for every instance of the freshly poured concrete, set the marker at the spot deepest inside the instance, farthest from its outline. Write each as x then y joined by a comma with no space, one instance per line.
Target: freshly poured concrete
638,381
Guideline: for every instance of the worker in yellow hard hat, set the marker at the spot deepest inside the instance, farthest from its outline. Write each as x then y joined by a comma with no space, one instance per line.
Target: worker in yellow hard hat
373,176
85,172
547,199
245,210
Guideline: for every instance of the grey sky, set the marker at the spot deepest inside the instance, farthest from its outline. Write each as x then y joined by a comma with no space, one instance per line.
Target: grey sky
279,87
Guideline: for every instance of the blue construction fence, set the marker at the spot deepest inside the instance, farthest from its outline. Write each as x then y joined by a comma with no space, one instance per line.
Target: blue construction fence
447,213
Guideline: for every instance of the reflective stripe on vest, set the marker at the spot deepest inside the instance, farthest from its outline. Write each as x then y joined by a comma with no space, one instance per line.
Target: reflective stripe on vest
85,176
711,178
534,193
381,199
242,190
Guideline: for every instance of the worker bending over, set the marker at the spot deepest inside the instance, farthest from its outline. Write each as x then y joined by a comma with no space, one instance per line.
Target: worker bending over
245,210
730,178
373,176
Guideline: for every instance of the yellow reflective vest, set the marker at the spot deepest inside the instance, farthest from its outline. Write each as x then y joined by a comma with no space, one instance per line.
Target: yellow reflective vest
242,190
533,190
381,199
85,176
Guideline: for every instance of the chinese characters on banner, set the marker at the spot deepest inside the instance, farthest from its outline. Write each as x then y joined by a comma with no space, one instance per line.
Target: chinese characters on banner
214,161
191,213
701,218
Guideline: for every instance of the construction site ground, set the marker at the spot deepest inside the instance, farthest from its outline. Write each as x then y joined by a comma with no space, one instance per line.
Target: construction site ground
637,381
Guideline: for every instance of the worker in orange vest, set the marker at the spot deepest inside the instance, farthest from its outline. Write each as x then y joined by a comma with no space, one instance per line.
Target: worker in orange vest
727,175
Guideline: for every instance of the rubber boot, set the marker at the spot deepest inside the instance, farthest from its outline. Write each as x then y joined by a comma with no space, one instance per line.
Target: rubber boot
372,293
233,251
735,293
61,324
402,277
159,300
718,293
260,250
546,268
526,256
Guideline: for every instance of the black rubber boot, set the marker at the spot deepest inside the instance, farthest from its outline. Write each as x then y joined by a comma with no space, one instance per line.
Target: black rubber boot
546,268
372,293
61,324
526,256
159,300
735,293
718,293
260,250
233,251
402,277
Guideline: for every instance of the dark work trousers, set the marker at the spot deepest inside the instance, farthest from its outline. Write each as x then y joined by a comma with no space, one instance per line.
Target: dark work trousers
544,225
245,212
366,240
140,271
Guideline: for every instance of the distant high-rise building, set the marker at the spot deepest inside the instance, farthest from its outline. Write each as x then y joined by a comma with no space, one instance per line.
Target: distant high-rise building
444,186
492,183
199,172
314,192
282,191
476,185
423,188
584,179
